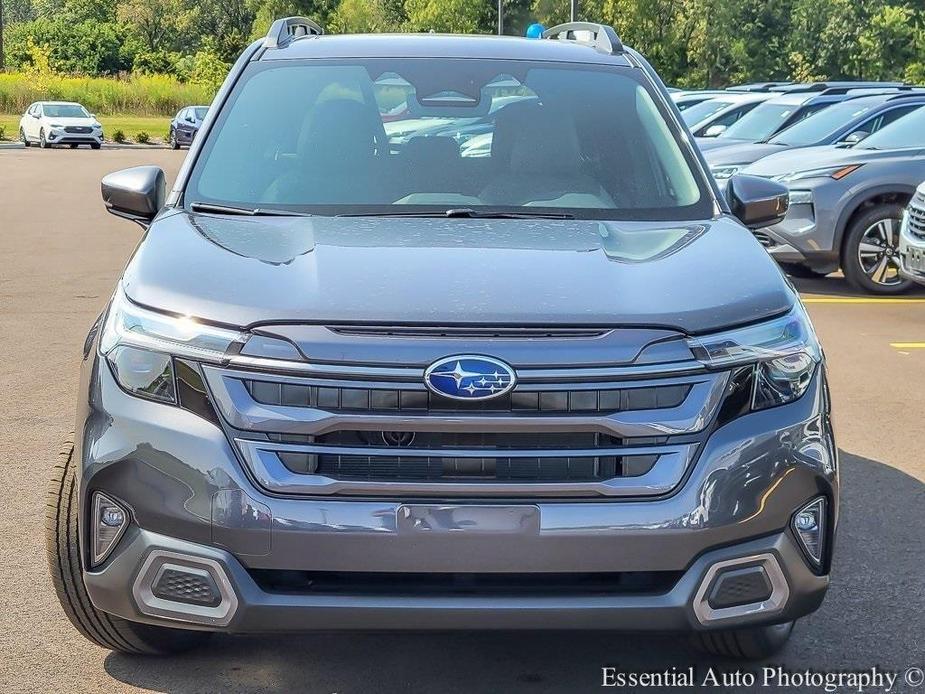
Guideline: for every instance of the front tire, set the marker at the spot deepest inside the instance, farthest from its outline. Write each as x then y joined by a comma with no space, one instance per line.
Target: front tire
23,138
61,533
173,139
753,643
870,258
43,143
95,145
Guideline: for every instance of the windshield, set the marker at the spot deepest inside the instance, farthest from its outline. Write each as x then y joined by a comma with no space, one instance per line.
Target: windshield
761,122
704,109
65,111
908,131
821,125
201,112
412,136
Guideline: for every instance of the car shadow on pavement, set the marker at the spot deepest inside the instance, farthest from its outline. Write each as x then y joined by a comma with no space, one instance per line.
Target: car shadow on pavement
873,616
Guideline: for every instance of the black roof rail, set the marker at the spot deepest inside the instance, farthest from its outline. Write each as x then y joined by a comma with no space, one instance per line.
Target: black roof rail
284,30
603,37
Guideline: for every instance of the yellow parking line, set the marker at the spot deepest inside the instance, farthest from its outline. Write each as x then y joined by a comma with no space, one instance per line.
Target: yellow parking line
859,300
908,345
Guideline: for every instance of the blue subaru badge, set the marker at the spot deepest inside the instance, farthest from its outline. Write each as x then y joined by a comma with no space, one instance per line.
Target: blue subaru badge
469,377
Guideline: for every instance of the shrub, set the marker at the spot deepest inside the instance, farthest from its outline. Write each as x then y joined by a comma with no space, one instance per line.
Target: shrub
2,133
118,136
139,95
142,138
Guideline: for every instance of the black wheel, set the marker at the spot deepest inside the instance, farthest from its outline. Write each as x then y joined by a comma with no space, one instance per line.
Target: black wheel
802,271
74,145
870,257
755,643
108,631
95,145
173,140
43,143
23,138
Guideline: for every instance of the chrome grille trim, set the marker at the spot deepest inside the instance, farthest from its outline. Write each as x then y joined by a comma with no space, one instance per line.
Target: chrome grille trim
270,473
916,212
266,367
244,413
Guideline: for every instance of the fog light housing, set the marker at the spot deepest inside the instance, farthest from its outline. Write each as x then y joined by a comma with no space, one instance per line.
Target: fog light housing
809,526
107,524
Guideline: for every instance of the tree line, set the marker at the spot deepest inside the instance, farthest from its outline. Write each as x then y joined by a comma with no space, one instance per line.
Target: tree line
692,43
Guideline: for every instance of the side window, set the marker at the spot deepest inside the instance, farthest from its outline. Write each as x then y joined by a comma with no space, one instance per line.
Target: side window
728,119
884,119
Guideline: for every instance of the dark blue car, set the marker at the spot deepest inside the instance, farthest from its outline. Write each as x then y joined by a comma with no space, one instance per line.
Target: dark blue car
185,125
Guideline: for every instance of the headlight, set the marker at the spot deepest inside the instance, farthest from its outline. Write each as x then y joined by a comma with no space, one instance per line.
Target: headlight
801,197
783,354
130,324
721,173
835,172
140,344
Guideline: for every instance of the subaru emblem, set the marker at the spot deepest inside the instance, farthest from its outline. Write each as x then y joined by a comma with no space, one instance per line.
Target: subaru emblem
469,377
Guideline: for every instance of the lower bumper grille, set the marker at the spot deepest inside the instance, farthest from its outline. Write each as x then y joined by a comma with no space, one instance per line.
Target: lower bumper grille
456,584
453,469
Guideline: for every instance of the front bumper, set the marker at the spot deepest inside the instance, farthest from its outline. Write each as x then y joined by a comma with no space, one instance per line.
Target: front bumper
911,254
59,136
189,494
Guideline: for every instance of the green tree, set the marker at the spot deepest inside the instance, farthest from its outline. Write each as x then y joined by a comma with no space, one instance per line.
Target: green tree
451,16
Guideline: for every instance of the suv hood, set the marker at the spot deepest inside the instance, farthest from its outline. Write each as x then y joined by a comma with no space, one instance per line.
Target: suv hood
71,121
807,158
744,153
243,271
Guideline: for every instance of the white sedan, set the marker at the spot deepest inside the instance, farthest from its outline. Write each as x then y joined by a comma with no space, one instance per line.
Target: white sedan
48,123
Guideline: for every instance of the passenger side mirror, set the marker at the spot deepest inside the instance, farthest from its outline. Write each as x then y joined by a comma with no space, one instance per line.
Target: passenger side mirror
715,130
757,202
855,137
137,193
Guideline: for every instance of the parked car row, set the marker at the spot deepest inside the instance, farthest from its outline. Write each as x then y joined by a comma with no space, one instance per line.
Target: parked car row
50,123
851,155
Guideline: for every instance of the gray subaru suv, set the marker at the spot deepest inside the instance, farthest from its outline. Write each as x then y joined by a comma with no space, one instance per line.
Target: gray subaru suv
544,380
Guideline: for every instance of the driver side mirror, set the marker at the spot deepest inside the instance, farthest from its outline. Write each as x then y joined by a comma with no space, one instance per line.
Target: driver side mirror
137,193
757,202
855,137
715,130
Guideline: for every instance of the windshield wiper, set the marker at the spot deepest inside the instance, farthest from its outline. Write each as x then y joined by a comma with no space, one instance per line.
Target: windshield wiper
465,212
248,211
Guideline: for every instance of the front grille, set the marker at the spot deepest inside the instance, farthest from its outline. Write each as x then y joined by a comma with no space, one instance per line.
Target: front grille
78,129
450,468
916,212
419,400
375,430
764,239
465,584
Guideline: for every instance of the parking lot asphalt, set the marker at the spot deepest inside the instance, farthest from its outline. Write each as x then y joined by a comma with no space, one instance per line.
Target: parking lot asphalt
60,254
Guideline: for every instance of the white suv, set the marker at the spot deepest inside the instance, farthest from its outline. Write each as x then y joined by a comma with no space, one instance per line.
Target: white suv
912,238
47,123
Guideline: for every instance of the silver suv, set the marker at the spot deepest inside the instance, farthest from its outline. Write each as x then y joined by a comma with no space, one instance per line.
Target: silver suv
351,380
846,205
